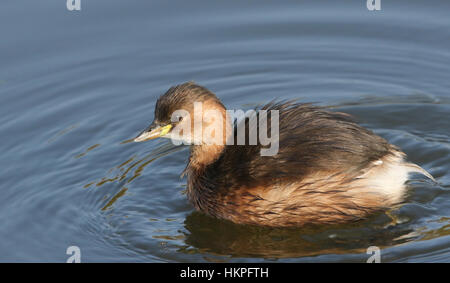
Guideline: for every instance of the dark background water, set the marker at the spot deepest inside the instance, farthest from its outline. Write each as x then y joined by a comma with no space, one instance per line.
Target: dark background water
75,86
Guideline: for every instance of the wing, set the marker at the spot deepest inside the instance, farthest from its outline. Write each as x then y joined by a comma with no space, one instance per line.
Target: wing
311,139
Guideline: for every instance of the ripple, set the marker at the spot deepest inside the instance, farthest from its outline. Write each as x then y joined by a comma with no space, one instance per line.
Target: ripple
71,87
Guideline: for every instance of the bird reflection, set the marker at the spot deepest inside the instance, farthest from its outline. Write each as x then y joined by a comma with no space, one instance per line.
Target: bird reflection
221,237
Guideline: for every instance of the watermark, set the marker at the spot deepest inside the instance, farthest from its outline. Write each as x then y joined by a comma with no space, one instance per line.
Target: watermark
231,272
375,253
208,126
211,127
73,5
75,254
374,5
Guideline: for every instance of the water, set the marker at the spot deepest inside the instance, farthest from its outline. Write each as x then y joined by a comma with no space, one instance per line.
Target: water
75,86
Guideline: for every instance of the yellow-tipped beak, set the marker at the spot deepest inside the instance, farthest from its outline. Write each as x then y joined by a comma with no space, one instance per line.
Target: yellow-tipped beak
153,132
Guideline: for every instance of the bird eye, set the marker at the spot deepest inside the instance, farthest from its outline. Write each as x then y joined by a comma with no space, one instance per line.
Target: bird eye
177,118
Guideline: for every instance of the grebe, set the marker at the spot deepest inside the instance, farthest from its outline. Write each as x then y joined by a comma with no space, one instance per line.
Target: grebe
328,169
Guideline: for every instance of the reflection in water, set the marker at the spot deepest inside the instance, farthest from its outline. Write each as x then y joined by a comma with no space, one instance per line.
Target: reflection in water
121,172
442,230
128,165
62,132
87,150
221,237
205,235
214,236
120,194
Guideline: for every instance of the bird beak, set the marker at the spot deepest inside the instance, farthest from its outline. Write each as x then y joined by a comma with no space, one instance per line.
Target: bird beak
152,132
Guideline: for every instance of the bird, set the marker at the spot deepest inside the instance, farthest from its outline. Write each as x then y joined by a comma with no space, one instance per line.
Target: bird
327,169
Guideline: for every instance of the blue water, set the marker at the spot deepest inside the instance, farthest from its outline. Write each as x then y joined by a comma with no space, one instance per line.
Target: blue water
75,86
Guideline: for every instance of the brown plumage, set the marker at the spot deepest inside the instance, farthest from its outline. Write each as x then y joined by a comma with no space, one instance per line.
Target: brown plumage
328,169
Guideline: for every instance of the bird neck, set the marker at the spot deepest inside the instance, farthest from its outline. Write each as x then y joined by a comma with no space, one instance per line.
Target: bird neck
204,155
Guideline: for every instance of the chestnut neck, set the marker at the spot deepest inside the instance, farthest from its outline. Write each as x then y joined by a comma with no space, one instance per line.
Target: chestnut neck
203,154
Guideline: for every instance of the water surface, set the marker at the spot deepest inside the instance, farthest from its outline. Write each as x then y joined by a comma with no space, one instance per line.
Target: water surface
76,86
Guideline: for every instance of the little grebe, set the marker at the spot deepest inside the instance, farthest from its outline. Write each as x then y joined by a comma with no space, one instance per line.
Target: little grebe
328,169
